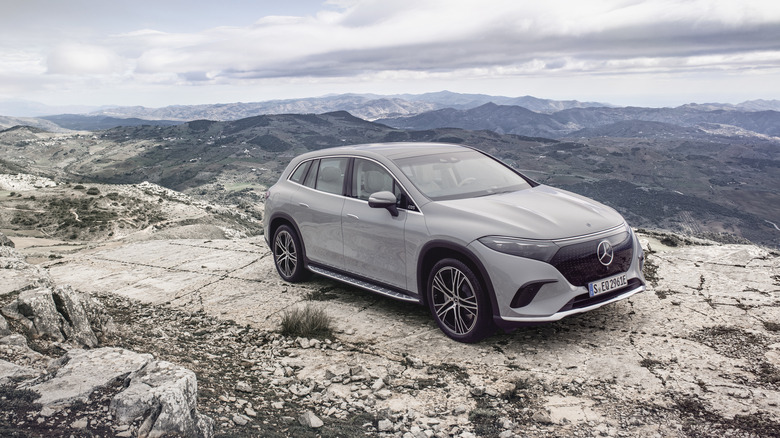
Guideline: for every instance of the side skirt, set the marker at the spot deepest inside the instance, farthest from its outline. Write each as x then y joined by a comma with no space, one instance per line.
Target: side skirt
363,284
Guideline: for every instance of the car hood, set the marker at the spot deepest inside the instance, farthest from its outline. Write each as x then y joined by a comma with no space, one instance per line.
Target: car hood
541,212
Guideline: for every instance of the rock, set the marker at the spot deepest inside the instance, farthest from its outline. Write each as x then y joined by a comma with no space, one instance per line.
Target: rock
542,416
11,372
60,314
242,386
85,371
384,425
240,420
379,384
460,410
4,330
250,412
5,241
80,424
383,394
166,394
169,392
308,419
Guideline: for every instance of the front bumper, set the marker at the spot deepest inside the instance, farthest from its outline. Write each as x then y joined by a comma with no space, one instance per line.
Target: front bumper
529,291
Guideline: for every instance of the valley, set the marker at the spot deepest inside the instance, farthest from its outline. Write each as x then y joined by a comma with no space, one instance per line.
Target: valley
705,170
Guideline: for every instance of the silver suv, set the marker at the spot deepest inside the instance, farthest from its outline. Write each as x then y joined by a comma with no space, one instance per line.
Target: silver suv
452,228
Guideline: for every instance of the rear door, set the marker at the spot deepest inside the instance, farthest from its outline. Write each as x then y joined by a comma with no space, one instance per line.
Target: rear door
319,211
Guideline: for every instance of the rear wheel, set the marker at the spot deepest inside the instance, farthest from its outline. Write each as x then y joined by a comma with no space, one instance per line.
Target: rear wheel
458,302
288,254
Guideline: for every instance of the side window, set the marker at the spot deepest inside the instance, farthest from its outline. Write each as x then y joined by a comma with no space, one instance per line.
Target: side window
369,178
300,172
311,177
330,177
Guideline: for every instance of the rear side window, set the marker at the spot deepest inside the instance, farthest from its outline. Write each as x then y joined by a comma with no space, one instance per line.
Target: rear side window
300,172
311,177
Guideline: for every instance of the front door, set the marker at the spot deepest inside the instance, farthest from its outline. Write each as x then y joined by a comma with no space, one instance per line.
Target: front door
374,244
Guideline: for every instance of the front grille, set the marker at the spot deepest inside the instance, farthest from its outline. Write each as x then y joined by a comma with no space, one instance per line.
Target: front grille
580,265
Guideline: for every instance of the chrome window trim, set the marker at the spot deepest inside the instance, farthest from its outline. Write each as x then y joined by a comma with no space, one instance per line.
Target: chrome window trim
395,178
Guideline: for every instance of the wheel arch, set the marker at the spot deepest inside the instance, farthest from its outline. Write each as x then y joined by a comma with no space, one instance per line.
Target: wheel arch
284,219
434,251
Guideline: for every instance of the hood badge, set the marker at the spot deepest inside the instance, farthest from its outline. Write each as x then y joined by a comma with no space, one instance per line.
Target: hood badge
605,253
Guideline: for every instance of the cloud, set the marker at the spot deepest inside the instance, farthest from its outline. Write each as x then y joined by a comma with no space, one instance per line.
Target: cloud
83,59
375,36
350,41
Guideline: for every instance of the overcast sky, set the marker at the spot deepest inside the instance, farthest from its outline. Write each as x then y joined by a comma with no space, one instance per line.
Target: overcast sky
167,52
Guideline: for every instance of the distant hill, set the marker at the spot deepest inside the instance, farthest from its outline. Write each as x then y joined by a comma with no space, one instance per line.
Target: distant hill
712,180
79,122
581,121
640,129
365,106
10,122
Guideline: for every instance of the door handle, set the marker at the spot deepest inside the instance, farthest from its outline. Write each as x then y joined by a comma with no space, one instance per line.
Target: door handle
353,216
303,204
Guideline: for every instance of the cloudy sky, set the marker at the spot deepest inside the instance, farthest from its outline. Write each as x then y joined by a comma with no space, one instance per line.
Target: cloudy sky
167,52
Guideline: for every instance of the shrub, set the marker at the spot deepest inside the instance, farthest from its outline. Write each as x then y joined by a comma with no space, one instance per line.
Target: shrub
93,191
78,187
309,322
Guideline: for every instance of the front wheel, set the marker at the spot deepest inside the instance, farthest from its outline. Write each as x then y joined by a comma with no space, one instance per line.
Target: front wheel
457,301
288,254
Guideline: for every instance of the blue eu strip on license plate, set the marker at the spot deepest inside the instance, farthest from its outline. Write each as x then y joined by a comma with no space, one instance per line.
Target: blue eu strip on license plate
607,284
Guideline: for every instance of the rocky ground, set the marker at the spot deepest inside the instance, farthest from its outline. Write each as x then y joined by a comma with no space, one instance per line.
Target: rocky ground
698,354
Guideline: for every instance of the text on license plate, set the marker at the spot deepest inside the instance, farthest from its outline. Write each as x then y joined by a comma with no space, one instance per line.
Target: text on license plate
607,284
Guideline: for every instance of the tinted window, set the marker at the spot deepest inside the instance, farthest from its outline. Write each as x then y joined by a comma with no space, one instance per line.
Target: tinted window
369,178
330,177
300,172
311,177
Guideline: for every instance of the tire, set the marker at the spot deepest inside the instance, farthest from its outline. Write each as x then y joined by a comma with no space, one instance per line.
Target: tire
288,254
458,302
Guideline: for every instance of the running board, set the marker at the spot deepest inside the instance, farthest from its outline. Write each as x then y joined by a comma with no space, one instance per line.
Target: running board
363,284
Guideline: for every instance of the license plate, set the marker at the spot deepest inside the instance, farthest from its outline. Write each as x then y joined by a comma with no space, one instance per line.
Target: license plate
607,284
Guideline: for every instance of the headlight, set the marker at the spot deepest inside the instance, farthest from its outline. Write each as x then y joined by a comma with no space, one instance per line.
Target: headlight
541,250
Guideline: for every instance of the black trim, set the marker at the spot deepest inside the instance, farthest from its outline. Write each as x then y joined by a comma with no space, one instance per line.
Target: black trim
585,300
366,280
347,189
287,218
443,244
527,292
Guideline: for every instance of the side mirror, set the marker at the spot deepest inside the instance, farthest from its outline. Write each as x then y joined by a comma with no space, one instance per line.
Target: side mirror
383,199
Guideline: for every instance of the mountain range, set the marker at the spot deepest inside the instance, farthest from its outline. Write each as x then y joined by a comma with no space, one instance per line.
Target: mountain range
711,180
526,116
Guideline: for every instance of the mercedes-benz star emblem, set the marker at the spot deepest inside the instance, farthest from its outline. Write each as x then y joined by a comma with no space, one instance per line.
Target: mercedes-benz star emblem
605,253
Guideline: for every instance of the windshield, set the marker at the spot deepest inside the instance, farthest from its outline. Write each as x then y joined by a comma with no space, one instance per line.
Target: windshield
460,175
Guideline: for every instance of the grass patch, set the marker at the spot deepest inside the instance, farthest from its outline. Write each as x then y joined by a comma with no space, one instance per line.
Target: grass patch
308,322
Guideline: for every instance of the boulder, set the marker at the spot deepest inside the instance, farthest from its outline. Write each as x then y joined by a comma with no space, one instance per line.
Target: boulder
162,393
167,394
80,372
5,241
60,314
4,330
17,275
